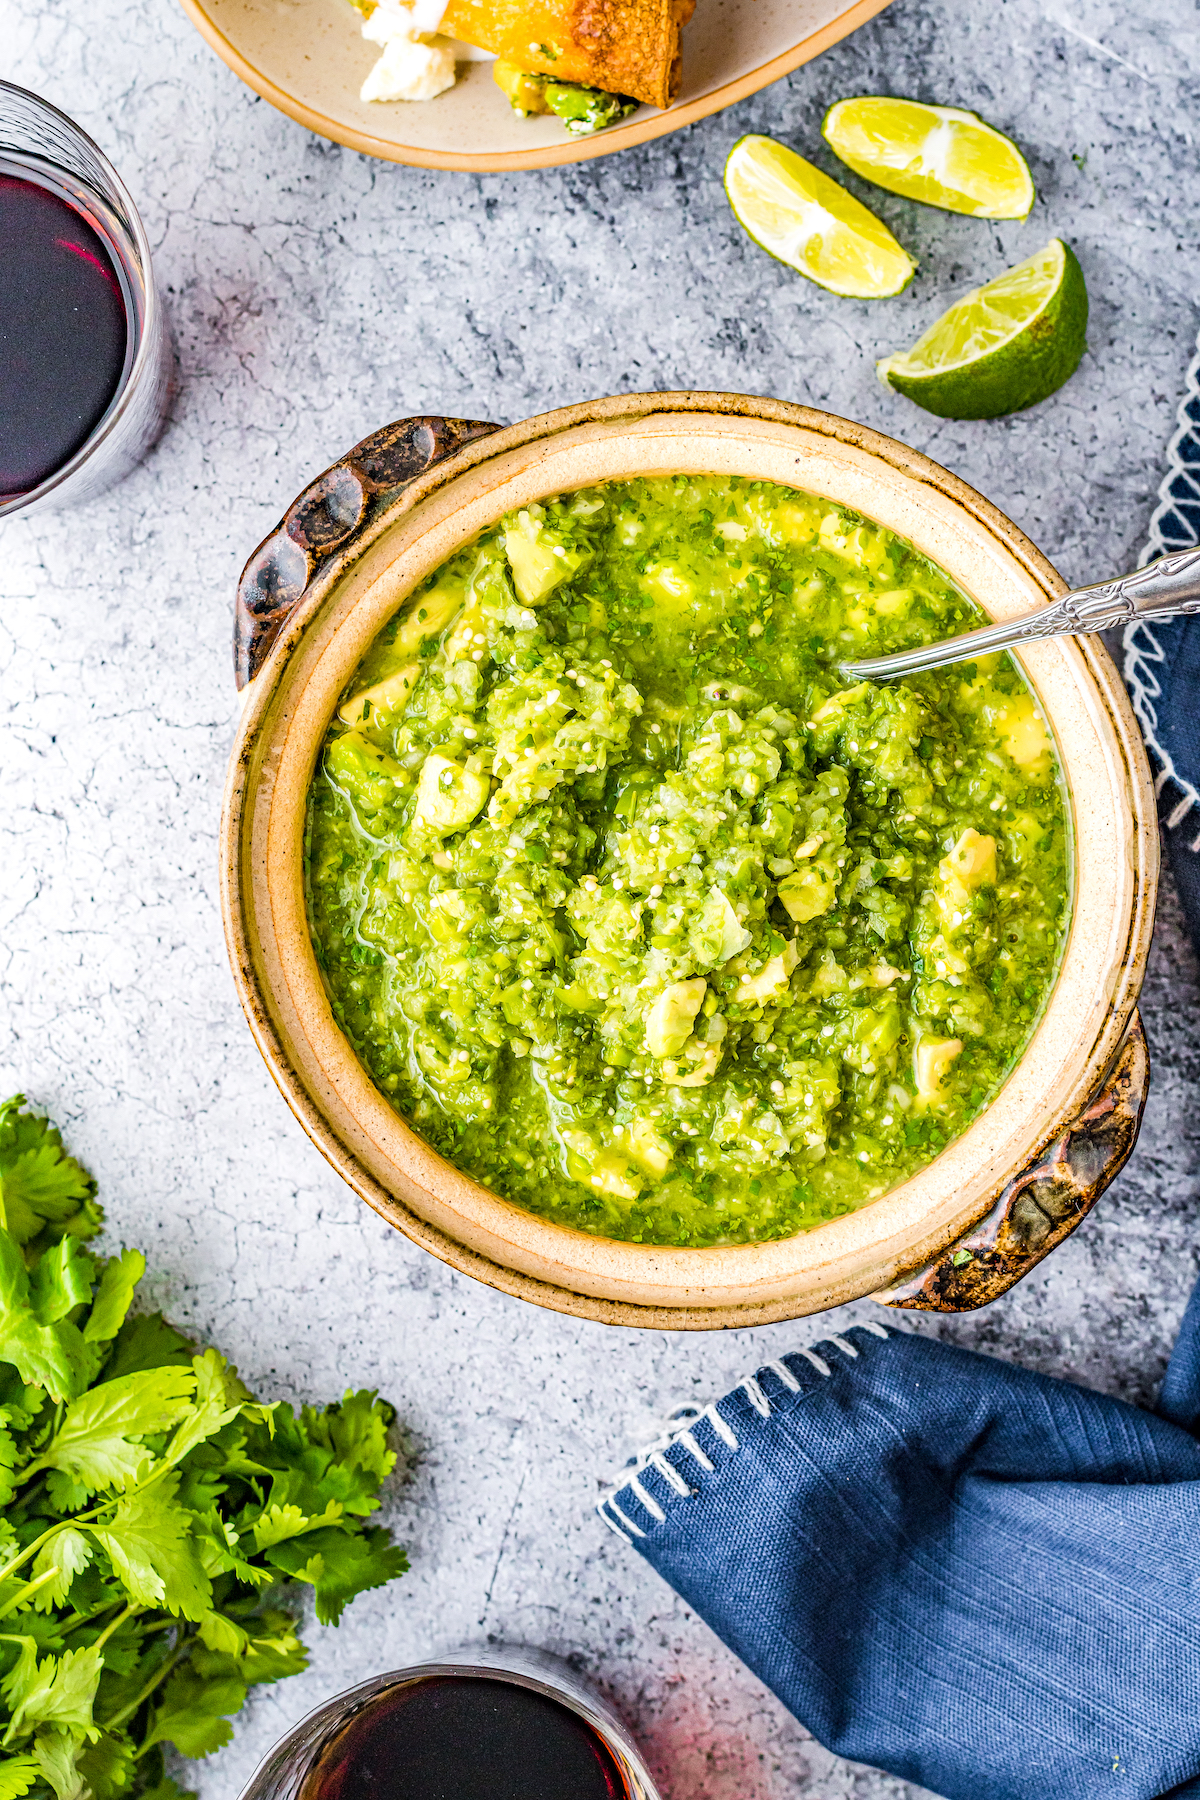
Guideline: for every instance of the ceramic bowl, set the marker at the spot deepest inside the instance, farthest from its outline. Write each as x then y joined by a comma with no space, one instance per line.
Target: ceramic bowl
308,58
997,1199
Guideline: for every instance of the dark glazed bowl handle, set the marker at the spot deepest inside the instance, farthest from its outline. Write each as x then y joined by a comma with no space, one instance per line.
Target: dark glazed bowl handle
329,517
1044,1203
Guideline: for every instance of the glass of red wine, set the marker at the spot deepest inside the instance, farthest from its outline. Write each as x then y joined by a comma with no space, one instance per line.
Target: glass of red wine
485,1724
85,354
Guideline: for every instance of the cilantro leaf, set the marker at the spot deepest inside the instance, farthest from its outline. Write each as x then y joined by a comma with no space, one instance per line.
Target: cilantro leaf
42,1633
64,1494
107,1766
225,1637
49,1355
218,1543
56,1691
219,1396
118,1279
153,1553
339,1565
124,1647
44,1192
69,1552
194,1714
17,1775
280,1522
270,1657
21,1404
143,1661
147,1342
60,1281
145,1511
335,1454
275,1654
166,1789
22,1671
98,1444
56,1752
355,1431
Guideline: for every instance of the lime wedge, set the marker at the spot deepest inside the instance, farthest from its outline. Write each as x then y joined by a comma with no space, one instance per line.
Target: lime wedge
1001,347
799,215
937,154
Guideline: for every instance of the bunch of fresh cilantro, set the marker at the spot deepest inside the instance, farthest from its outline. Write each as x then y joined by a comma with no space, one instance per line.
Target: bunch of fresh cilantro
152,1508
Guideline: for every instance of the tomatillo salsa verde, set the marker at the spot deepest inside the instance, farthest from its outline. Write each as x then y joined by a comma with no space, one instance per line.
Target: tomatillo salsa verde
644,916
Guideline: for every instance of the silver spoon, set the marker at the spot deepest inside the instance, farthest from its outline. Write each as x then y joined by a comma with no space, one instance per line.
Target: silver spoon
1161,590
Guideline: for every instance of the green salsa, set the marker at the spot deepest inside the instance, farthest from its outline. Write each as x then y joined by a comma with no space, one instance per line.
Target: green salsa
641,913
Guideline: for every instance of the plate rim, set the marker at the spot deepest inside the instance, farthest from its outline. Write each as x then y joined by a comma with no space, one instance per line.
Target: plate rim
573,150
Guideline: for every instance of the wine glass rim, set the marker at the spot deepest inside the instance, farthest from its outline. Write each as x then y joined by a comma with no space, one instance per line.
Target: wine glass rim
149,340
278,1775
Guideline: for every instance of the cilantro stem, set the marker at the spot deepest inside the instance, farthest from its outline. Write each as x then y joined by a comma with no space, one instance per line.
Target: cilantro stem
159,1676
59,1525
76,1619
27,1592
83,1518
130,1612
11,1567
38,1481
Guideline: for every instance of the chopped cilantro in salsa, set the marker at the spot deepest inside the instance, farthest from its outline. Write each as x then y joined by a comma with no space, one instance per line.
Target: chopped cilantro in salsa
638,911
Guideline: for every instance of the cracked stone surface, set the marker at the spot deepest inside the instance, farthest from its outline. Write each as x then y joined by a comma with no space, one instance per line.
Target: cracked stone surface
314,296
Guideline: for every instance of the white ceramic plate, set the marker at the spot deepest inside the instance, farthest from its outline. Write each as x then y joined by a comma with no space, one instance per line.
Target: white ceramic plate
308,58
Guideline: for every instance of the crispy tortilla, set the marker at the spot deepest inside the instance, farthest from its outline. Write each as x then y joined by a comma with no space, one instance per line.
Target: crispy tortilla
622,46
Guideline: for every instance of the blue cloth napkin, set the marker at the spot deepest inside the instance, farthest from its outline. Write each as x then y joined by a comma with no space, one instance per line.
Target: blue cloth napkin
980,1579
1162,663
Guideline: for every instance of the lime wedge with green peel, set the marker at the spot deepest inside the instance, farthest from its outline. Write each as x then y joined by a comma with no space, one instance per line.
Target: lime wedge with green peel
938,154
1002,347
799,215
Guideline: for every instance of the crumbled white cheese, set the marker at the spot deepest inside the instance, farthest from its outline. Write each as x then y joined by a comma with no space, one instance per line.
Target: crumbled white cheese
411,69
395,18
416,64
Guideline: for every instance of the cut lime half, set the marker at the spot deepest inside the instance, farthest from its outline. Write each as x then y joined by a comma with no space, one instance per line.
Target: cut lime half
1002,347
938,154
799,215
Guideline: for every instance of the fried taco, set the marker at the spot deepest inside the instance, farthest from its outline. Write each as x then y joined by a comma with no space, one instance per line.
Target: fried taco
625,47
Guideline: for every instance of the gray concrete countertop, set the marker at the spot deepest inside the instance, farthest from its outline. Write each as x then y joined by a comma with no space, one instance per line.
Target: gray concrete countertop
315,295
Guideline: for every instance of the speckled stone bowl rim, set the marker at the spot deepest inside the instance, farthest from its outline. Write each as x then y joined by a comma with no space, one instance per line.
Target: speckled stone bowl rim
289,706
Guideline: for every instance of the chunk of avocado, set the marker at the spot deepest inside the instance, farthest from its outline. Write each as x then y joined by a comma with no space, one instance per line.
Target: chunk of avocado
697,1074
717,934
669,1021
670,586
448,796
370,777
387,696
772,979
970,865
972,860
808,893
1023,733
647,1146
607,1171
837,703
538,562
524,92
430,612
931,1065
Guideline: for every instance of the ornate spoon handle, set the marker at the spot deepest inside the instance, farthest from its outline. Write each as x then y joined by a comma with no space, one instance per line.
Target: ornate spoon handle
1159,591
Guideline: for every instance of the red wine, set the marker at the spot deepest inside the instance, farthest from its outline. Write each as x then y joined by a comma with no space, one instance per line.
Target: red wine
465,1737
63,332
